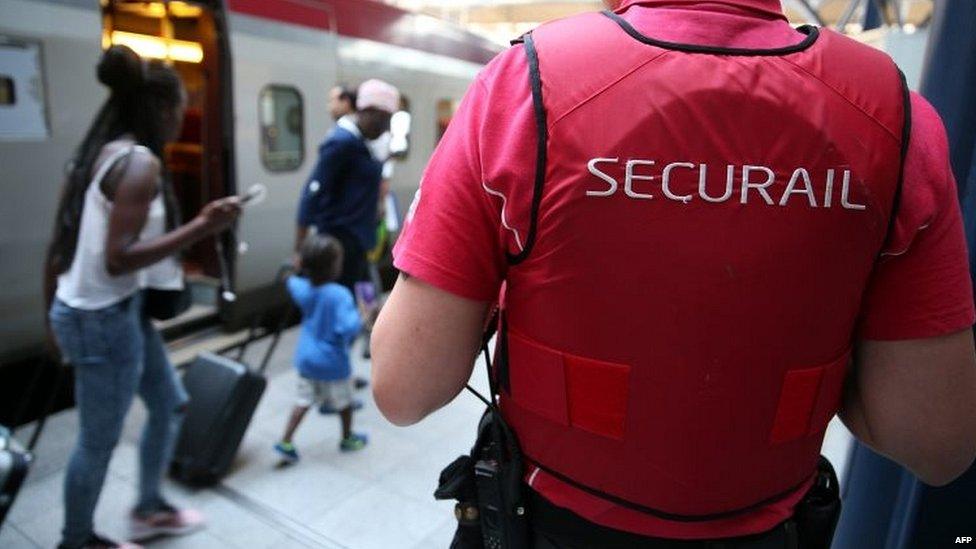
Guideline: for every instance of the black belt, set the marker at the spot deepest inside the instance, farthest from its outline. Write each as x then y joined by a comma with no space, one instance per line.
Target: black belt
558,528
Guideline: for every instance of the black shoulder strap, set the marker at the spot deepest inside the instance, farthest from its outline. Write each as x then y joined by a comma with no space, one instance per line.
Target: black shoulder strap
542,143
111,171
490,330
906,133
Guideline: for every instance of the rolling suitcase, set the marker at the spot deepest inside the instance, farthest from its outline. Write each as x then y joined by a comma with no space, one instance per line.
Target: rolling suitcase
15,460
223,396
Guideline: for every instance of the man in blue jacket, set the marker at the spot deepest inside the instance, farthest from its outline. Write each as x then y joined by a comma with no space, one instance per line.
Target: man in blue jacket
341,194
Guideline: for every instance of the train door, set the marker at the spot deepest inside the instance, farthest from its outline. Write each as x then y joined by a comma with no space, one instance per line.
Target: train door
282,73
189,36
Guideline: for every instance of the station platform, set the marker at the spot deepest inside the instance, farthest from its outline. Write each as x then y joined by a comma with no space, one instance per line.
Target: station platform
380,497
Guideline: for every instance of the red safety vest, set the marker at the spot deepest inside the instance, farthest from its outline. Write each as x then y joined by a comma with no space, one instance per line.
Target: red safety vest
677,330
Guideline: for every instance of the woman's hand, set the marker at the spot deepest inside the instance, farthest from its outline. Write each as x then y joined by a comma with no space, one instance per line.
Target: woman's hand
220,214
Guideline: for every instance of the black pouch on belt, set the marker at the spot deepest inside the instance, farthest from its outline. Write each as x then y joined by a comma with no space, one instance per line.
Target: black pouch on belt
492,506
817,514
487,486
457,483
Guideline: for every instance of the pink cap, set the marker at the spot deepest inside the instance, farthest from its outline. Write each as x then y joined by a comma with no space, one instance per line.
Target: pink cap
379,95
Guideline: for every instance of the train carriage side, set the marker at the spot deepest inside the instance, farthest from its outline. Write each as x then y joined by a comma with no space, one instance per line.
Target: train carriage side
258,76
286,59
281,74
47,51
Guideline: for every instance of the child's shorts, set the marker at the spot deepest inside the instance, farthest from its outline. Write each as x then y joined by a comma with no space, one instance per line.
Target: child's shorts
336,394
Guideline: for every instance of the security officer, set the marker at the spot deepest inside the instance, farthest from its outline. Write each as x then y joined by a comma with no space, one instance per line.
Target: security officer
705,221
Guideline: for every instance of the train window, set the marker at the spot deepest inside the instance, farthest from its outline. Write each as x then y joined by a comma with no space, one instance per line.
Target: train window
282,119
23,112
7,96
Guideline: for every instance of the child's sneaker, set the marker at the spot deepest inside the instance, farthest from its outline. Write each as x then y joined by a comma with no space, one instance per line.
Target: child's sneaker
353,443
287,452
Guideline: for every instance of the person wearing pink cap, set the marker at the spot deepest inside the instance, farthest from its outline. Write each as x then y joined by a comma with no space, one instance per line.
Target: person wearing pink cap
341,193
706,232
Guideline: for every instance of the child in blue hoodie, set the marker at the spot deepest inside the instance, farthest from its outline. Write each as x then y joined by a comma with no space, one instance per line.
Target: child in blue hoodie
330,322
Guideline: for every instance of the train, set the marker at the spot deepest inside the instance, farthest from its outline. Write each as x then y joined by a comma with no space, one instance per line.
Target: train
258,75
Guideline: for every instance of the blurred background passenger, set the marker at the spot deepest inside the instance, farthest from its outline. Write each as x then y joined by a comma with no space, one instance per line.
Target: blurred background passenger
342,101
341,194
116,230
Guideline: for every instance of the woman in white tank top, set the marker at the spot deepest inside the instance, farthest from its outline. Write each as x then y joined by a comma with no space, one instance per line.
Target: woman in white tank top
115,233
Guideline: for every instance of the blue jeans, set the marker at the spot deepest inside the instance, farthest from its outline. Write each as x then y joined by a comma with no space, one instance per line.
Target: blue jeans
116,353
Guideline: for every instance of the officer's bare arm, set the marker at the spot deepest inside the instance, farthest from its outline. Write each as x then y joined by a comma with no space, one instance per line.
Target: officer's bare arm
915,401
423,349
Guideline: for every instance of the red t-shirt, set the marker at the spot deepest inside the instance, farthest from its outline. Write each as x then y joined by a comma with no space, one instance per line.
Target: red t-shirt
476,191
475,196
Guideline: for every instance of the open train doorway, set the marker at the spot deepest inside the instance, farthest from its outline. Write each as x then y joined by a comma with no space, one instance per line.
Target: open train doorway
190,37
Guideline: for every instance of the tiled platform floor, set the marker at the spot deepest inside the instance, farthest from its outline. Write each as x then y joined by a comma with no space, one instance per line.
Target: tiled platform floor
378,498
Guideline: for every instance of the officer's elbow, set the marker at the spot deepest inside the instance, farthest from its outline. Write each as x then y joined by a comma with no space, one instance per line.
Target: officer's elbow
945,460
394,398
943,471
395,403
916,399
937,452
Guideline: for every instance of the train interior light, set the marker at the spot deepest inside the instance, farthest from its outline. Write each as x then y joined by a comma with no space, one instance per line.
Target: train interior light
154,47
158,9
156,30
183,35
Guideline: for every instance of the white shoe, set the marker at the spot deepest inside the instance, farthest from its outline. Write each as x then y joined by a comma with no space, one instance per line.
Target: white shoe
168,521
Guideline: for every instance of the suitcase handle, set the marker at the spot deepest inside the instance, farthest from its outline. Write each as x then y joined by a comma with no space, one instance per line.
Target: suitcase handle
48,404
287,313
48,407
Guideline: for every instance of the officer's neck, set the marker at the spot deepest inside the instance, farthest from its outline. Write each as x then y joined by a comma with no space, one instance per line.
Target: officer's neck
766,9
